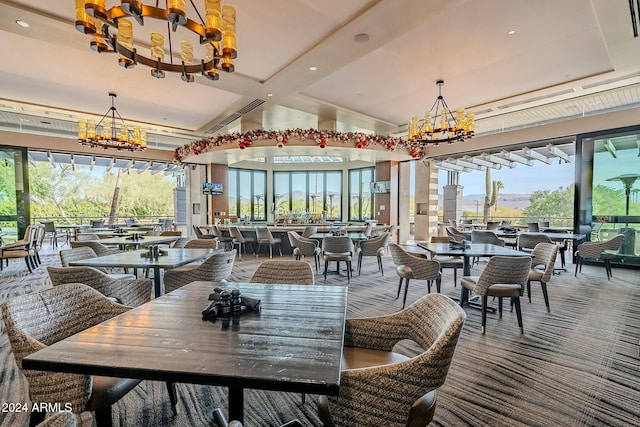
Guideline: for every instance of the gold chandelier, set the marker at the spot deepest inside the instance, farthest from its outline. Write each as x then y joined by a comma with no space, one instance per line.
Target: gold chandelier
112,31
111,133
439,123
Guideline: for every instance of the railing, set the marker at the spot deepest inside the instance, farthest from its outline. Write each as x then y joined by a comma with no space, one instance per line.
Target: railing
86,220
555,221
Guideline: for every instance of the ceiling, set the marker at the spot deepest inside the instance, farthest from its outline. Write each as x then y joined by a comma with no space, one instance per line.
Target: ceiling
566,59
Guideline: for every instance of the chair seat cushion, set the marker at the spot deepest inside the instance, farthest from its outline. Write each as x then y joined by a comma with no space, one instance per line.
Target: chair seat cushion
121,276
346,256
469,282
421,412
504,290
108,390
536,274
187,267
404,271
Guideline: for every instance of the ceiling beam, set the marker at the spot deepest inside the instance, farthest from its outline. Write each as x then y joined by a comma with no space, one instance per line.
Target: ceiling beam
552,149
537,156
510,155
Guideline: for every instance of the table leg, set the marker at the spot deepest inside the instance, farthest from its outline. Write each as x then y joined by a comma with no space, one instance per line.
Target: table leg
157,284
236,404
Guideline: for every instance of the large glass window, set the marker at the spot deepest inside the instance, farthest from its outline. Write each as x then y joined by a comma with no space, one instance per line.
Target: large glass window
360,202
247,189
307,194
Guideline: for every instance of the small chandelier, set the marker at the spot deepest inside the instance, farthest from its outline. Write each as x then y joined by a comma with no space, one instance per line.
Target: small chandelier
107,134
112,31
440,125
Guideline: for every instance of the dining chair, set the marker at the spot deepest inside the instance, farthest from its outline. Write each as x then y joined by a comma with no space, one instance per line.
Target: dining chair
200,235
455,233
304,247
533,226
453,262
96,223
338,249
240,240
528,241
215,268
201,244
24,248
373,247
309,231
493,225
599,251
543,225
284,272
503,277
409,267
99,248
505,224
225,241
84,237
37,246
486,236
595,231
265,238
382,387
37,320
53,234
85,252
180,242
544,258
60,419
127,291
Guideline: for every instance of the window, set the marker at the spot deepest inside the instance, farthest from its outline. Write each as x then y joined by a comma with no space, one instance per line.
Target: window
247,189
360,202
309,193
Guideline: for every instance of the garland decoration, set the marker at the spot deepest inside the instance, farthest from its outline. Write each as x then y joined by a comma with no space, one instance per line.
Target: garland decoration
312,136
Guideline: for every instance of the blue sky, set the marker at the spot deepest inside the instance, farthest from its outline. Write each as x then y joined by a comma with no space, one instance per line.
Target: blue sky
520,180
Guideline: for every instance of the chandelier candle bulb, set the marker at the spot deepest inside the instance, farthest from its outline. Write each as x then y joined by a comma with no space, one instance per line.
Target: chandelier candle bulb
212,21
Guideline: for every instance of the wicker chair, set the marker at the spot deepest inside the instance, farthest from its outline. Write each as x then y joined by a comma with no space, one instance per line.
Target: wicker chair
37,320
201,244
265,238
412,267
180,242
486,236
240,240
338,249
303,247
309,231
285,272
60,419
85,252
502,277
380,387
373,247
130,292
544,258
528,241
225,241
596,251
455,234
215,268
200,235
99,248
84,237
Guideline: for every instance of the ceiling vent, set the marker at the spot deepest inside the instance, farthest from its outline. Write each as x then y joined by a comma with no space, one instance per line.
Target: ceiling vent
235,116
609,81
534,99
250,106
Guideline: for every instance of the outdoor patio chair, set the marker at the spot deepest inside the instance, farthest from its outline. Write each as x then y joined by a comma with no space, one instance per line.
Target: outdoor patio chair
24,249
53,234
599,251
97,223
39,319
382,387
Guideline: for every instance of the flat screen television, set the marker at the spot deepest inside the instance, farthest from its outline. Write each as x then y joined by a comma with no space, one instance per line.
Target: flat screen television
381,187
213,188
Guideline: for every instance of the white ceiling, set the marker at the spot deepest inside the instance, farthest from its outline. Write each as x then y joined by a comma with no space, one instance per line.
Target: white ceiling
567,59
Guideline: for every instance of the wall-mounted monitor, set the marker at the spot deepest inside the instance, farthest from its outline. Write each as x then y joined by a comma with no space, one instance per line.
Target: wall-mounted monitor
381,187
213,188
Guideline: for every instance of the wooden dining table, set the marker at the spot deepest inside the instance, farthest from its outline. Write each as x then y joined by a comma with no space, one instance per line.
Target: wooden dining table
293,344
172,258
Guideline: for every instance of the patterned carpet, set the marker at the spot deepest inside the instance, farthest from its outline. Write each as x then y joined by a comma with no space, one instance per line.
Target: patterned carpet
575,366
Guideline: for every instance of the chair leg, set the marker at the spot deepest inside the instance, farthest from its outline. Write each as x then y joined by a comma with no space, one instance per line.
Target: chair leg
609,272
484,313
500,307
546,295
326,266
464,296
577,264
36,418
348,271
380,265
173,397
529,290
103,417
455,277
429,286
438,284
359,263
516,303
399,288
26,260
406,288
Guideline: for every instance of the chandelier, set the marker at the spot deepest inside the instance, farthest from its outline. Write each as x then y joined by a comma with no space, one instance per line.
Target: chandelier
112,31
107,134
439,124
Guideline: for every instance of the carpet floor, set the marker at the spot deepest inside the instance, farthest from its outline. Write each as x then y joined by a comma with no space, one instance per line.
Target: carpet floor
575,366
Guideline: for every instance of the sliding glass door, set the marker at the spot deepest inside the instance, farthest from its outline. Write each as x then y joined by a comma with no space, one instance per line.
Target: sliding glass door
14,194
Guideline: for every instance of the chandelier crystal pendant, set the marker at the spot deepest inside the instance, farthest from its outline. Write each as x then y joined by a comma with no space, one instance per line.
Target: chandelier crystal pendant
112,31
111,132
440,125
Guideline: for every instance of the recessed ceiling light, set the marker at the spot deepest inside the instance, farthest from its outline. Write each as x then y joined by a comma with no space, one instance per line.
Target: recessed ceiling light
23,24
512,32
312,68
269,94
361,38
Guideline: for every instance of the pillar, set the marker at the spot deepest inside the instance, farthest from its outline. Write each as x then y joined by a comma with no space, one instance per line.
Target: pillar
426,204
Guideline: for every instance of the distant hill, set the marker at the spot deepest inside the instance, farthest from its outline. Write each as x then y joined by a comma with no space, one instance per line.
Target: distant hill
514,201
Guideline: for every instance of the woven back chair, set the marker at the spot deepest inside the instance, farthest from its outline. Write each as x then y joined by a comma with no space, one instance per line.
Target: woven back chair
76,254
128,291
544,258
225,241
180,242
374,246
412,267
304,247
240,240
200,235
528,241
601,251
503,277
309,231
338,249
215,268
486,236
35,321
201,244
380,387
285,272
453,262
99,248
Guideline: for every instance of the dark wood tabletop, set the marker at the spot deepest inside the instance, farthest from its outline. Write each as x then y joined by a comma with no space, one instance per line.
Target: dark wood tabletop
355,236
293,344
175,257
141,241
